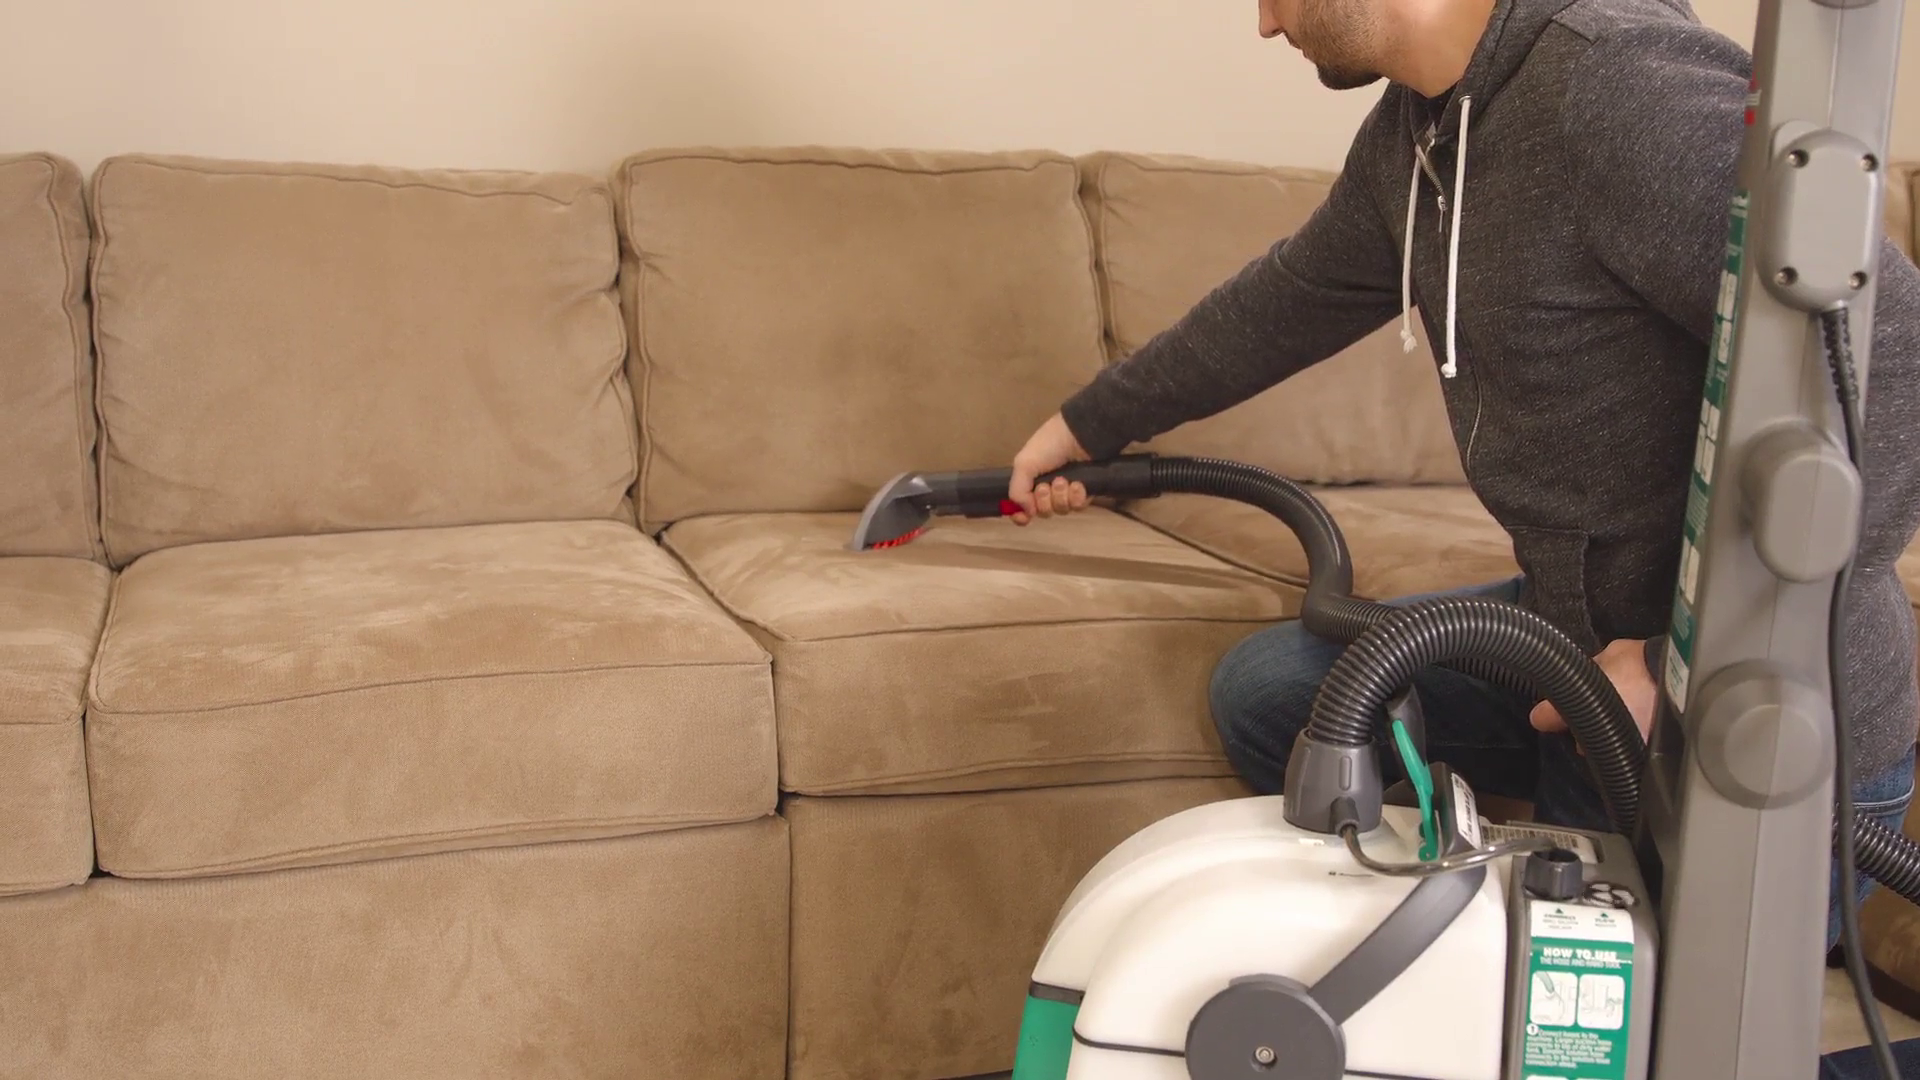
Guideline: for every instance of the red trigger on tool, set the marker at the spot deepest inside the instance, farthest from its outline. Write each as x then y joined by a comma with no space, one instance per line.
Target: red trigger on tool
1008,508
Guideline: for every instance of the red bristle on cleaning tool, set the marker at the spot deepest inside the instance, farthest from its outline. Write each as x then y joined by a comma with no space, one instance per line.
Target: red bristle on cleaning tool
897,541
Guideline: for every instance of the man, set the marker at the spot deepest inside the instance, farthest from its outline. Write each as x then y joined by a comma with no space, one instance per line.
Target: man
1554,179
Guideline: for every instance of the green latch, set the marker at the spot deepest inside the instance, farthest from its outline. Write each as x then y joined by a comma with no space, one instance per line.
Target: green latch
1422,780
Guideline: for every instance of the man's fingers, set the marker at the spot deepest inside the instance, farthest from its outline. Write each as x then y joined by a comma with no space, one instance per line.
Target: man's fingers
1547,718
1020,490
1038,500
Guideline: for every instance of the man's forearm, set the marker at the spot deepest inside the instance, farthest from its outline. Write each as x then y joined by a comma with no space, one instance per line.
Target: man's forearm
1260,327
1332,282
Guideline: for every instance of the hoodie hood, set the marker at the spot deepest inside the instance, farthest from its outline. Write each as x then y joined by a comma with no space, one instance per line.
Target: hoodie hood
1512,29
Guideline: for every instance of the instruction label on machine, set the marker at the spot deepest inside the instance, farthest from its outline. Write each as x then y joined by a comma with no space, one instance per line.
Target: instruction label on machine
1466,812
1579,992
1679,659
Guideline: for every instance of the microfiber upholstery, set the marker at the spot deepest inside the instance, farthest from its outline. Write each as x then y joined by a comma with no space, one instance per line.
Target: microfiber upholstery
808,322
51,611
648,956
270,703
1898,206
1404,540
916,921
982,656
291,349
1169,229
48,493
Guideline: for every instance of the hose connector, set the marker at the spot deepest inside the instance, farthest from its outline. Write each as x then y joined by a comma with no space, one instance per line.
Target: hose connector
1331,786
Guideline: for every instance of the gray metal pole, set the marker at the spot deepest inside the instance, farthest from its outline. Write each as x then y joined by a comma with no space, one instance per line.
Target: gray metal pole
1738,800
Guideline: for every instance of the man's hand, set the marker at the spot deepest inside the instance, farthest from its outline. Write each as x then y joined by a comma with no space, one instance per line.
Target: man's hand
1050,448
1625,663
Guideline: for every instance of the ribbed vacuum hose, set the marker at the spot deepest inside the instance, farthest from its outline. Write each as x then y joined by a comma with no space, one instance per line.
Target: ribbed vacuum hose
1385,657
1889,857
1496,642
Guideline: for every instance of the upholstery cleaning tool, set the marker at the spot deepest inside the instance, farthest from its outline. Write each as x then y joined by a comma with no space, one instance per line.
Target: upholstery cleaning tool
900,510
1343,930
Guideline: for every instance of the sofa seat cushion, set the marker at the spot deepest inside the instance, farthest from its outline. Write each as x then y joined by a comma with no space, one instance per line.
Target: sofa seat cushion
982,656
51,610
268,703
1404,540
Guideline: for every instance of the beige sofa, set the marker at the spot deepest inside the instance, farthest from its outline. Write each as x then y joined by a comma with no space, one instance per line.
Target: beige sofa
428,647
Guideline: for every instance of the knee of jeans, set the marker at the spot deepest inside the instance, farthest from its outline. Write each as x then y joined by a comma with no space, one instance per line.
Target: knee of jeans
1265,683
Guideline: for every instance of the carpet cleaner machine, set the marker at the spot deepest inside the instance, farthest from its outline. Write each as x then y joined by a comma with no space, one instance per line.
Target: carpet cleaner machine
1350,929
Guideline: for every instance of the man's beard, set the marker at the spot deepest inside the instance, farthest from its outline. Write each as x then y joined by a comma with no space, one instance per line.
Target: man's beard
1336,29
1346,79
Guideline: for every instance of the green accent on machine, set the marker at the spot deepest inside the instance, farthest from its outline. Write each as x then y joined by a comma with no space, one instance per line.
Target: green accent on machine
1421,778
1046,1040
1679,665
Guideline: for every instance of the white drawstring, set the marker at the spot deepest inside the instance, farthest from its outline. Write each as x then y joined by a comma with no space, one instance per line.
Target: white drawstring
1406,261
1452,366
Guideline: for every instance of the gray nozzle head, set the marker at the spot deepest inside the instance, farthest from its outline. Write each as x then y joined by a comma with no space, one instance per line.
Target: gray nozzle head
896,514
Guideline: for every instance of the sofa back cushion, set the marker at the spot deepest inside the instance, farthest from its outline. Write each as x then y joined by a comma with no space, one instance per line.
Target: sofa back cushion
1170,229
290,349
809,322
48,503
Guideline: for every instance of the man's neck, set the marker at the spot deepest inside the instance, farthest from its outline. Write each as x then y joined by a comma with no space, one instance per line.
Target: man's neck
1433,41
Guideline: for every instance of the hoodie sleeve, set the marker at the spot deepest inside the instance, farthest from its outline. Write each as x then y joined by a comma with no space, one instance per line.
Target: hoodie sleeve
1326,286
1653,127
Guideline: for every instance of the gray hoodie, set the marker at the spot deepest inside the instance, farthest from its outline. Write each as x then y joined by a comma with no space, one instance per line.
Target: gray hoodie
1560,221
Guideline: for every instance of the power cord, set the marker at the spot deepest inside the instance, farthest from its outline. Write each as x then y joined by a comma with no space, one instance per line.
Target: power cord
1836,332
1446,864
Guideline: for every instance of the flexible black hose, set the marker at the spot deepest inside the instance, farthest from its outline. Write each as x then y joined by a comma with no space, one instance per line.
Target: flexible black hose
1890,858
1499,642
1329,610
1382,660
1496,642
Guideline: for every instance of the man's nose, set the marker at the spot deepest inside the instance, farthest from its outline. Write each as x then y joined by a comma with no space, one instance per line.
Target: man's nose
1269,23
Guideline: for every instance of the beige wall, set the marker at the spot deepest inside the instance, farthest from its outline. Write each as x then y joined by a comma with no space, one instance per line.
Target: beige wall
577,83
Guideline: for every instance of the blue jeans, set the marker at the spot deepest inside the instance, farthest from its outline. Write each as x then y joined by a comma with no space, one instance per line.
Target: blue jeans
1263,691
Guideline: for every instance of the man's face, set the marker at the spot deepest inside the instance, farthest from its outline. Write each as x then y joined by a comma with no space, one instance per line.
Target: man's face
1341,38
